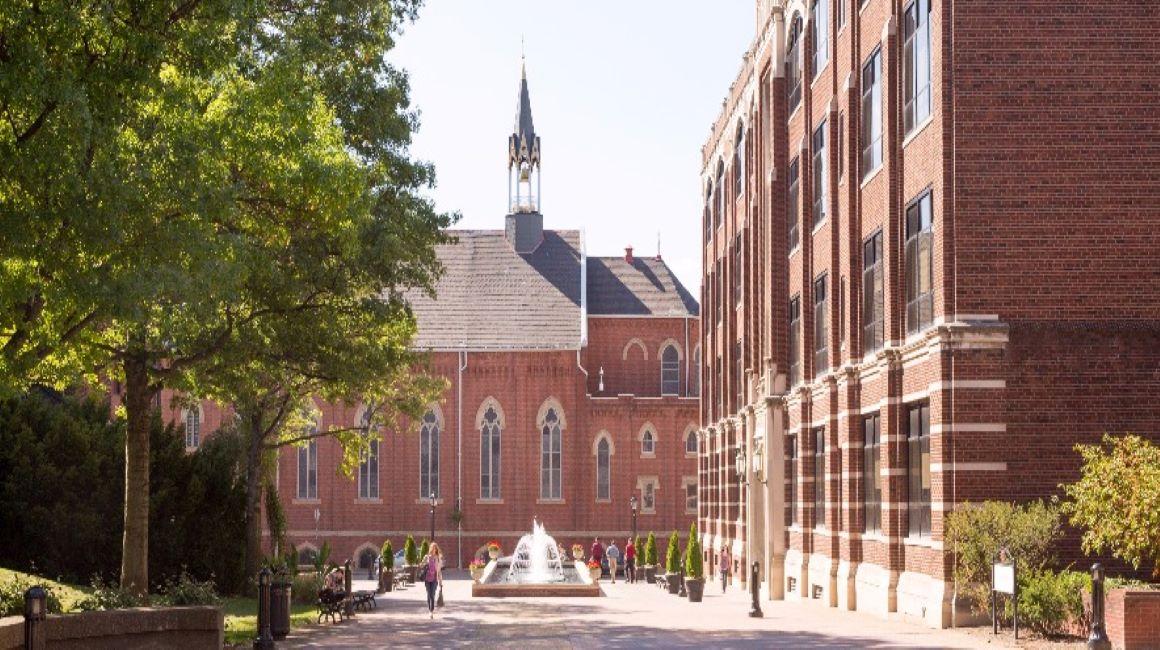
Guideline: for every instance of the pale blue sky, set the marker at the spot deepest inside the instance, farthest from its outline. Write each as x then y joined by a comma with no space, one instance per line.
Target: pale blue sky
623,96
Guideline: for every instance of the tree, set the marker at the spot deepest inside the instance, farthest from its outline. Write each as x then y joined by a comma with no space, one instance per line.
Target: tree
694,567
673,554
410,551
1115,499
171,176
650,550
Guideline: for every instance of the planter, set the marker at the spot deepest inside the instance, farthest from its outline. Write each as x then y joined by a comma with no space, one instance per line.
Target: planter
578,555
493,553
650,574
594,574
476,573
387,580
412,573
673,583
695,587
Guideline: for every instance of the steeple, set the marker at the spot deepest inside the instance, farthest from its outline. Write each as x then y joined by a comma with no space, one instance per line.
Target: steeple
523,153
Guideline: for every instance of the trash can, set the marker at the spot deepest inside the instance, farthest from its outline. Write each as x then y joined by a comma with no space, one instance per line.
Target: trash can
280,606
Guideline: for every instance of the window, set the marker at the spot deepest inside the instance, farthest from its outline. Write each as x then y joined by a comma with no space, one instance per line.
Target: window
915,64
820,174
919,265
794,340
308,469
791,208
791,455
719,209
840,13
842,309
738,269
490,430
820,477
648,496
603,470
719,295
719,388
821,327
690,496
918,469
793,65
691,442
739,375
193,427
429,456
841,146
695,377
368,471
872,303
367,557
550,456
821,28
670,371
766,113
872,474
709,214
739,162
648,443
871,114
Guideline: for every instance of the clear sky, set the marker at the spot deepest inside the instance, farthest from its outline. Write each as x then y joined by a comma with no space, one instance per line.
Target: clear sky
623,96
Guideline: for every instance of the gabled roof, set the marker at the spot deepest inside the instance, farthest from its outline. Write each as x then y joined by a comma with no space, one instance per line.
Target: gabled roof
491,297
646,287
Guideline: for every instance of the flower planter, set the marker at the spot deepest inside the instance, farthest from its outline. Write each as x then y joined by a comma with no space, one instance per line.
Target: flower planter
493,553
650,574
695,588
594,574
412,573
578,554
387,580
476,573
673,583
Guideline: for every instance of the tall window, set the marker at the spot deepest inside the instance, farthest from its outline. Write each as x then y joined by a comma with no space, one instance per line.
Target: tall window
872,303
691,442
691,496
368,471
795,341
820,477
308,470
709,214
793,65
603,470
918,469
872,474
719,388
489,454
842,309
791,455
648,443
719,297
821,29
193,427
871,114
429,456
739,162
919,265
840,13
670,371
738,270
738,375
719,209
841,147
695,377
550,456
821,327
791,208
766,115
915,64
648,496
820,174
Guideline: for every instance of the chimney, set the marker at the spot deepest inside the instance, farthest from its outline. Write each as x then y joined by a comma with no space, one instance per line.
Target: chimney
628,254
524,231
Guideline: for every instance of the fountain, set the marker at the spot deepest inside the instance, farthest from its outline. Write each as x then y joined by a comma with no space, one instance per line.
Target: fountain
536,568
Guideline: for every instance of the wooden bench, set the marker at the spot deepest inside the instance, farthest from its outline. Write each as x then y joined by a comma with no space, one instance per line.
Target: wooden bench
330,604
364,600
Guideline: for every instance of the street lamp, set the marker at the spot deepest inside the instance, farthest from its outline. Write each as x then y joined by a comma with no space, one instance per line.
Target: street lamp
317,516
632,506
740,466
432,516
1098,639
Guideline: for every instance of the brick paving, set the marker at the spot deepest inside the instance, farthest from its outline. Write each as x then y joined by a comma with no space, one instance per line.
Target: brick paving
628,616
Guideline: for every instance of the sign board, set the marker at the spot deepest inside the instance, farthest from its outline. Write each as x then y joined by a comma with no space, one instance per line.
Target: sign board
1003,578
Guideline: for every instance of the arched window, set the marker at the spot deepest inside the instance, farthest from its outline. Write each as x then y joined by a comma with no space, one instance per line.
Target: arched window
429,456
719,199
691,442
368,466
551,455
739,161
308,466
709,213
366,557
648,443
603,470
821,29
670,371
193,427
793,64
307,555
489,453
695,378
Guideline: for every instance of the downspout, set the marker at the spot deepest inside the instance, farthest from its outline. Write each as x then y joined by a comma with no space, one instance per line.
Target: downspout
955,307
459,461
688,356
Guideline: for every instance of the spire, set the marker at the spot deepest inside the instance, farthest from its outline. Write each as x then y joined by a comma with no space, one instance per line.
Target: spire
523,127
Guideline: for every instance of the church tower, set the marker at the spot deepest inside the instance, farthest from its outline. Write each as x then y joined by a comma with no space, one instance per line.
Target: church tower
524,224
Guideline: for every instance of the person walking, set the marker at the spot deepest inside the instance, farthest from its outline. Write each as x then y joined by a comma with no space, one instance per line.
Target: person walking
725,566
613,559
629,561
597,552
432,571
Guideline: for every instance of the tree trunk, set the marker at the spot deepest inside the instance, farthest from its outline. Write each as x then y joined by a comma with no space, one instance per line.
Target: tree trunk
135,543
254,495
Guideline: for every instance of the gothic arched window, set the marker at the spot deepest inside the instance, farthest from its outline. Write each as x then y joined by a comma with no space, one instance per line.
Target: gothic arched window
429,456
739,161
670,371
368,466
489,454
691,442
193,427
551,455
603,470
648,443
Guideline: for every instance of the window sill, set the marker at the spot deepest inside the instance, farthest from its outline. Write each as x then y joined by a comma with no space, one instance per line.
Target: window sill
794,251
489,502
690,512
818,74
648,455
648,512
368,501
305,502
690,454
874,537
550,502
866,180
426,502
796,109
924,542
918,129
818,226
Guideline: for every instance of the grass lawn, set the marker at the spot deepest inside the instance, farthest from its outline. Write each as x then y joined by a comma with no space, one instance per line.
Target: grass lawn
242,618
68,594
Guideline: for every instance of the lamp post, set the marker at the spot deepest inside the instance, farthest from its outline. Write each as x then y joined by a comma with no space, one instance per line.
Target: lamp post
432,516
317,516
1098,639
739,466
265,640
35,611
632,506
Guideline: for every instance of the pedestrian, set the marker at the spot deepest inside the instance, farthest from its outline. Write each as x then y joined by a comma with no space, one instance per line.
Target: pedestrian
431,568
597,552
613,559
629,561
725,566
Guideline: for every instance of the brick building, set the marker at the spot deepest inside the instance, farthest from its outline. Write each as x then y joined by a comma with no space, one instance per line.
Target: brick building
930,269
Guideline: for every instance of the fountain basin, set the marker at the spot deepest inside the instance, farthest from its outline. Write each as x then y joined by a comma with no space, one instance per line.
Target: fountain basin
495,584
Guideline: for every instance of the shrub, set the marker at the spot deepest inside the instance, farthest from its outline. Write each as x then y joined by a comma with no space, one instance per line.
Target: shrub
673,555
410,552
305,588
975,532
1114,500
1048,600
388,556
108,595
186,590
424,548
636,543
322,560
650,550
12,596
694,568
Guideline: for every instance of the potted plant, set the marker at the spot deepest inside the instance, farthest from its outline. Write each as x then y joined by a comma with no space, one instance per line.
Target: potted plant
694,568
424,548
673,564
411,555
650,559
578,552
387,572
493,549
594,570
476,567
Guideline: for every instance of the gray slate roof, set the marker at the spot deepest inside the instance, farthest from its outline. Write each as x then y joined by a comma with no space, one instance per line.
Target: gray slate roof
492,297
647,287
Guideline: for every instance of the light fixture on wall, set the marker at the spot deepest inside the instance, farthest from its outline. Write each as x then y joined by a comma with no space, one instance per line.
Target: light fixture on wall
600,385
759,461
739,466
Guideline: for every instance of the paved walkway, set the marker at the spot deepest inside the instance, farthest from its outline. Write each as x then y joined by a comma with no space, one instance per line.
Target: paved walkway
629,616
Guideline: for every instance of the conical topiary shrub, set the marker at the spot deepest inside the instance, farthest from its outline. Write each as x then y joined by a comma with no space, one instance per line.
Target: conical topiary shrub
694,566
650,559
673,563
411,556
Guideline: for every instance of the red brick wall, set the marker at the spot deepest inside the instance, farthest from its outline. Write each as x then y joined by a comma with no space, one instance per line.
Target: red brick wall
1133,619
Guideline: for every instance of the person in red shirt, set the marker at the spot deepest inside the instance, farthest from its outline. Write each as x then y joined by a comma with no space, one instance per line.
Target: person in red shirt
630,560
597,551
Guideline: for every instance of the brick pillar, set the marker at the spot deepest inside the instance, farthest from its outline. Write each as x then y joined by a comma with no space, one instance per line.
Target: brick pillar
849,441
